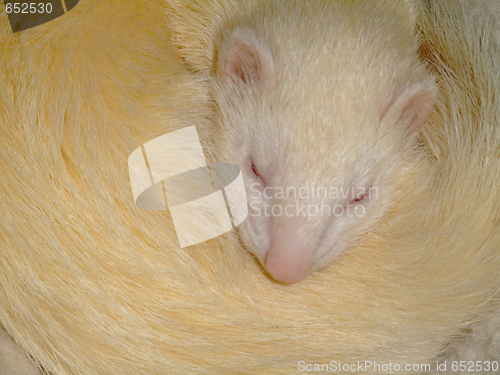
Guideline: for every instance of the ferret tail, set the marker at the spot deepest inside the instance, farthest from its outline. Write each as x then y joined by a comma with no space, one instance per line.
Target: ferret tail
460,40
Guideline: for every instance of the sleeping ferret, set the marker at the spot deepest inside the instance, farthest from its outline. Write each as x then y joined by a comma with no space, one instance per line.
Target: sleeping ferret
320,104
91,284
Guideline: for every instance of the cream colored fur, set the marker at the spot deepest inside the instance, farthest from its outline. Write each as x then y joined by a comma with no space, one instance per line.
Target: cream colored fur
90,284
330,105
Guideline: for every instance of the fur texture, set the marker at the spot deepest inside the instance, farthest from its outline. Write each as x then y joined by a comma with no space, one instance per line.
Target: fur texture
90,284
319,104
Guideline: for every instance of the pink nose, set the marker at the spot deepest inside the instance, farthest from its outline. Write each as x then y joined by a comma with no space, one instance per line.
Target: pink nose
288,265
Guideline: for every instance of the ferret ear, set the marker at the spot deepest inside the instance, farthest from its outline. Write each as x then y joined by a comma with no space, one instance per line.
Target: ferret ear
244,58
413,104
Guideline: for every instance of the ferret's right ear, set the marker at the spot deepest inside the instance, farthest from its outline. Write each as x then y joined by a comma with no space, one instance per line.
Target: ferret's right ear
244,58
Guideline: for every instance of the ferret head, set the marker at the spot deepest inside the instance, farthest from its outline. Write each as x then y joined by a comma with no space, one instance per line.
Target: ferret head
321,124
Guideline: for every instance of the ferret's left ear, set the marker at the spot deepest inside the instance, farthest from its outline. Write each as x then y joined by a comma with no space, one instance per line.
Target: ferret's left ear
413,104
244,58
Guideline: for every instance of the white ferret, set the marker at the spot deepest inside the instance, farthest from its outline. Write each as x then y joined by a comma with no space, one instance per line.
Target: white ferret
91,284
300,75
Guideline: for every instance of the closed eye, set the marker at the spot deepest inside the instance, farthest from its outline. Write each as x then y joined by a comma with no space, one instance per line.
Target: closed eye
361,197
255,171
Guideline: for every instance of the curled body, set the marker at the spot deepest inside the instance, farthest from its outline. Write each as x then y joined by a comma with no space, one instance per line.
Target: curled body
91,284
